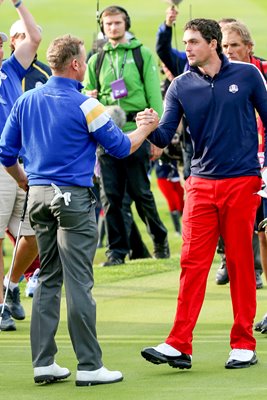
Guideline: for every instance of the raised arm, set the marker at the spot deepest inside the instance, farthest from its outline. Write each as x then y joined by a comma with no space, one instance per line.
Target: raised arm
174,59
27,49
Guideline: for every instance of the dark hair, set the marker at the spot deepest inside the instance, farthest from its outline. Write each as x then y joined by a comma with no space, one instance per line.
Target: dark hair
209,29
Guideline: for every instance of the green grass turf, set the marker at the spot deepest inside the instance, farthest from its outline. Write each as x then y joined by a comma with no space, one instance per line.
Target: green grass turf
136,302
135,308
134,312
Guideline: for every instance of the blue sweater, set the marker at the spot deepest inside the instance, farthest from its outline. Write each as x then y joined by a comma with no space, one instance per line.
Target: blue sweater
11,75
221,117
55,129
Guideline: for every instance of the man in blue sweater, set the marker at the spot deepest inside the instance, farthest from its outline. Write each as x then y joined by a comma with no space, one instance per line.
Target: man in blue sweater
218,98
12,72
55,129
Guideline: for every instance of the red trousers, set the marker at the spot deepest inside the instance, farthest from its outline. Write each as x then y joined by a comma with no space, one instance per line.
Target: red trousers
173,193
213,207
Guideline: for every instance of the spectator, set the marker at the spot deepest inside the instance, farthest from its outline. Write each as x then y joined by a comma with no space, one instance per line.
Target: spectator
137,248
37,74
136,90
174,63
13,70
237,44
166,168
220,192
168,180
59,162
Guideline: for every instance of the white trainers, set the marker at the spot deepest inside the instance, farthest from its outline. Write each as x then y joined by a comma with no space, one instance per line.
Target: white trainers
32,283
50,374
97,377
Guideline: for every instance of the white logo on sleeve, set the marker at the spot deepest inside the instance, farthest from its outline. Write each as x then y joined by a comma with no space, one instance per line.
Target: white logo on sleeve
233,88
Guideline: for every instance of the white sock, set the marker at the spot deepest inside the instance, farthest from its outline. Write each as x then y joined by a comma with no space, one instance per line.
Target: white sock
11,284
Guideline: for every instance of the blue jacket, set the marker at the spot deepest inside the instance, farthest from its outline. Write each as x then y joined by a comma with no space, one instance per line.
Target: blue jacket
56,129
11,75
37,75
221,115
175,60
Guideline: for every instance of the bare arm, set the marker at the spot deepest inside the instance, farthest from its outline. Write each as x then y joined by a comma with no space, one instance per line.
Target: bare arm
19,175
27,49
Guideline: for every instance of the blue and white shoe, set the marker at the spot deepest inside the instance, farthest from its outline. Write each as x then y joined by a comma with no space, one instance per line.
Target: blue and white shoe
32,283
7,323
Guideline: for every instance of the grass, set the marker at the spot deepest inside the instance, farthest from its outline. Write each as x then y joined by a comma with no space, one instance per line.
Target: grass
135,308
136,302
134,312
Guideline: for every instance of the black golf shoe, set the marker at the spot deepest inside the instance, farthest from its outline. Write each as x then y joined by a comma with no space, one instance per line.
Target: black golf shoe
7,323
162,250
113,261
14,304
182,361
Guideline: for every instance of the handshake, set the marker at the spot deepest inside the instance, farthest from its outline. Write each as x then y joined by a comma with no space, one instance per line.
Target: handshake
147,117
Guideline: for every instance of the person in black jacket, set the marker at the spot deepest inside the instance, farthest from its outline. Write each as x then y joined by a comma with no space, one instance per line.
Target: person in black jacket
176,62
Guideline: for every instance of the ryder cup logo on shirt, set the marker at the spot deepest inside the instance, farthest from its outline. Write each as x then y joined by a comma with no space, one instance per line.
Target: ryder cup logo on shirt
233,88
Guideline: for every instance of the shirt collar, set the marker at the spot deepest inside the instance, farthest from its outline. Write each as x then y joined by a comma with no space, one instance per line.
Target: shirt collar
59,81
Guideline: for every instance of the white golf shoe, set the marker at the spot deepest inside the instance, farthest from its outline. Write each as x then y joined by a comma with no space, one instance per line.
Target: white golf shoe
50,374
97,377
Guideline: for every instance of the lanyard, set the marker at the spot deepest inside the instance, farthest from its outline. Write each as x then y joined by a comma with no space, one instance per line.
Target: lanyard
122,66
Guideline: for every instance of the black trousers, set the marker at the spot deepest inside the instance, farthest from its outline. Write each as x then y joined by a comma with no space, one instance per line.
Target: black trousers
130,173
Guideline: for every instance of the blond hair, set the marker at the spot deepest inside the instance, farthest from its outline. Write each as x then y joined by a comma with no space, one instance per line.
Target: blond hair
62,50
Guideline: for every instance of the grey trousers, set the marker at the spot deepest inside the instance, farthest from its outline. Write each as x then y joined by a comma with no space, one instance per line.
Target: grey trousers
67,239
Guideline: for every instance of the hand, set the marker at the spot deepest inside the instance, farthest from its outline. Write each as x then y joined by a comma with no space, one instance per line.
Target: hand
147,117
19,175
92,93
155,152
23,182
171,15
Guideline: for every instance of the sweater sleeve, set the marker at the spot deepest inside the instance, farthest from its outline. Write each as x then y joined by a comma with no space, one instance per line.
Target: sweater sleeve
104,130
174,59
10,143
169,122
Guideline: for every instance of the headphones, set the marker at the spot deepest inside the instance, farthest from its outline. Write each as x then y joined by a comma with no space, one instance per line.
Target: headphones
121,10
